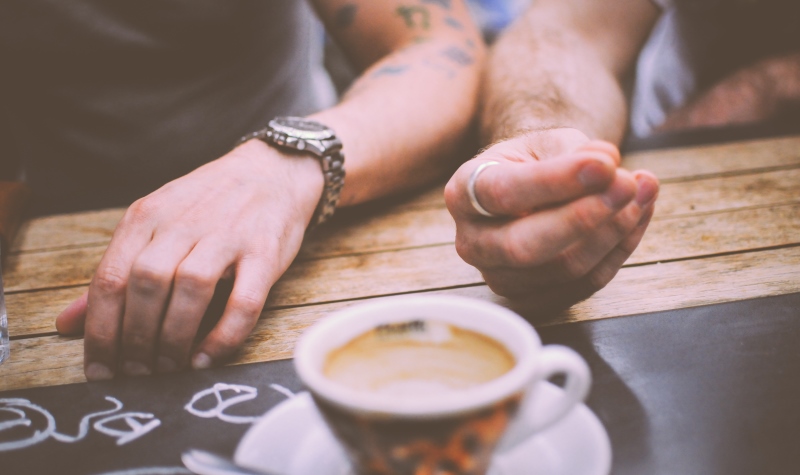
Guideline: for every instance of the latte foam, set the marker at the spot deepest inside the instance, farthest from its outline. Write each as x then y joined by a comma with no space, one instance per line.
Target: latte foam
418,358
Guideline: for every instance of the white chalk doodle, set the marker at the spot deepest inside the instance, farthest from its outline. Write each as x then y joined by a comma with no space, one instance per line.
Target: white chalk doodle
244,393
150,471
23,408
137,429
283,390
83,427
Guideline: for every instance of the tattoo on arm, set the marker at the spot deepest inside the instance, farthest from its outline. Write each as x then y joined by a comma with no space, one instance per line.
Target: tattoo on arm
411,14
458,55
391,70
345,15
442,3
453,23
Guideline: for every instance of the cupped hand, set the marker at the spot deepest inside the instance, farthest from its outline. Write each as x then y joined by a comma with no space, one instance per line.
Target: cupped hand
567,217
243,215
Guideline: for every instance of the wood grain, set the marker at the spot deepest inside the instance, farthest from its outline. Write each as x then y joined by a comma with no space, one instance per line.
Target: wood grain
734,192
352,275
32,312
690,163
55,360
96,227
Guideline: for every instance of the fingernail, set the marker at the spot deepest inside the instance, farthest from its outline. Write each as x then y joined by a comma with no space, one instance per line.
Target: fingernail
617,195
594,174
201,361
135,368
98,372
646,191
166,365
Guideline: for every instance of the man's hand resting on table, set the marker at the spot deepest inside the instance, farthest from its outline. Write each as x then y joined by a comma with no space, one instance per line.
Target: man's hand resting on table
568,217
243,215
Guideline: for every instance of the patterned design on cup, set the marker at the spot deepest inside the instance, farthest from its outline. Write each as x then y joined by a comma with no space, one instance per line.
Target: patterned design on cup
455,445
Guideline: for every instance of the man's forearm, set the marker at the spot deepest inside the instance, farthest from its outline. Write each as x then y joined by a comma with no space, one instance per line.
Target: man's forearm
549,71
405,118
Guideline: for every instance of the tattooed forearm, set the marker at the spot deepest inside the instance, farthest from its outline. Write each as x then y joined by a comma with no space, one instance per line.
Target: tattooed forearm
345,15
391,70
415,17
458,55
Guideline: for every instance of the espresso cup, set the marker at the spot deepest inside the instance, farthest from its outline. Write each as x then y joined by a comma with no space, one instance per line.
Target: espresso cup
432,384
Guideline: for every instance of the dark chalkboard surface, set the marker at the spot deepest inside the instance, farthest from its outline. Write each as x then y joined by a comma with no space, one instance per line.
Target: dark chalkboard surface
158,426
704,390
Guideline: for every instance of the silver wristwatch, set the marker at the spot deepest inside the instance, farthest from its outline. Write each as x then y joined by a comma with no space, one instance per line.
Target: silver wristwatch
308,136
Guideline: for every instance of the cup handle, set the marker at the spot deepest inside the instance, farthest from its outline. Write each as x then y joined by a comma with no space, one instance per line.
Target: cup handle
554,359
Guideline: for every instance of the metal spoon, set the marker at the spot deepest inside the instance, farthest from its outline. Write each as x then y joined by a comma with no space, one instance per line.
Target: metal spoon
207,463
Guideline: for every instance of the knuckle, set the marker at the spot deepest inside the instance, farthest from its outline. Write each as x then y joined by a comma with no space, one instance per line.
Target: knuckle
146,276
465,248
247,303
195,280
110,279
519,250
451,194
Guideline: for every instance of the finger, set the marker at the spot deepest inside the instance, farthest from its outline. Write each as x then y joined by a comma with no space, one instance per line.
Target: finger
540,237
106,300
516,189
193,288
602,274
583,256
253,281
71,320
148,290
572,263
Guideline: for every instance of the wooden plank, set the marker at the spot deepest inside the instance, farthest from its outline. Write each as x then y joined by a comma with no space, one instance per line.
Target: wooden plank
34,313
67,230
717,159
58,360
731,231
307,282
410,270
720,194
382,232
94,228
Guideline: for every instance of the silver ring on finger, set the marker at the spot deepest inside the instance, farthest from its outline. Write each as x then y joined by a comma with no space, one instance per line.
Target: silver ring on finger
471,189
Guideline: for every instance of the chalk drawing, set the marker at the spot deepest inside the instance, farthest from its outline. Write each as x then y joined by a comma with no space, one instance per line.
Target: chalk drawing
150,471
137,428
20,408
283,390
245,393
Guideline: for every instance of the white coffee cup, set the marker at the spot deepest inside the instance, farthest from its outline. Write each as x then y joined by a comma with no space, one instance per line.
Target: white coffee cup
395,436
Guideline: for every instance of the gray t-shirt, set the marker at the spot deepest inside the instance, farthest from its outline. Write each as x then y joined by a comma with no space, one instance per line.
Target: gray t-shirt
697,43
106,100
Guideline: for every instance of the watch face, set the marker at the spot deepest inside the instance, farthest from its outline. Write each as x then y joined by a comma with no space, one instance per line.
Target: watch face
301,128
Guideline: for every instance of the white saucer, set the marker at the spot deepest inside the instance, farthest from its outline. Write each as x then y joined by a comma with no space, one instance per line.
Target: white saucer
292,439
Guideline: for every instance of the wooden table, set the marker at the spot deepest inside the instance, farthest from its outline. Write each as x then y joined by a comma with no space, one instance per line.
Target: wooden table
726,228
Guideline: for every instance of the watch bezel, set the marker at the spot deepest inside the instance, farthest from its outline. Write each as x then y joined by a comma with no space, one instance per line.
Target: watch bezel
284,125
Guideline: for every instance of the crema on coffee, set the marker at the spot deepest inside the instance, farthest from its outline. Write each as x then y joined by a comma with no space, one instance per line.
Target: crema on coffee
417,358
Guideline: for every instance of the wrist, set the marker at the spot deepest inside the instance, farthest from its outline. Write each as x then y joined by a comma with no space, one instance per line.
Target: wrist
299,174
